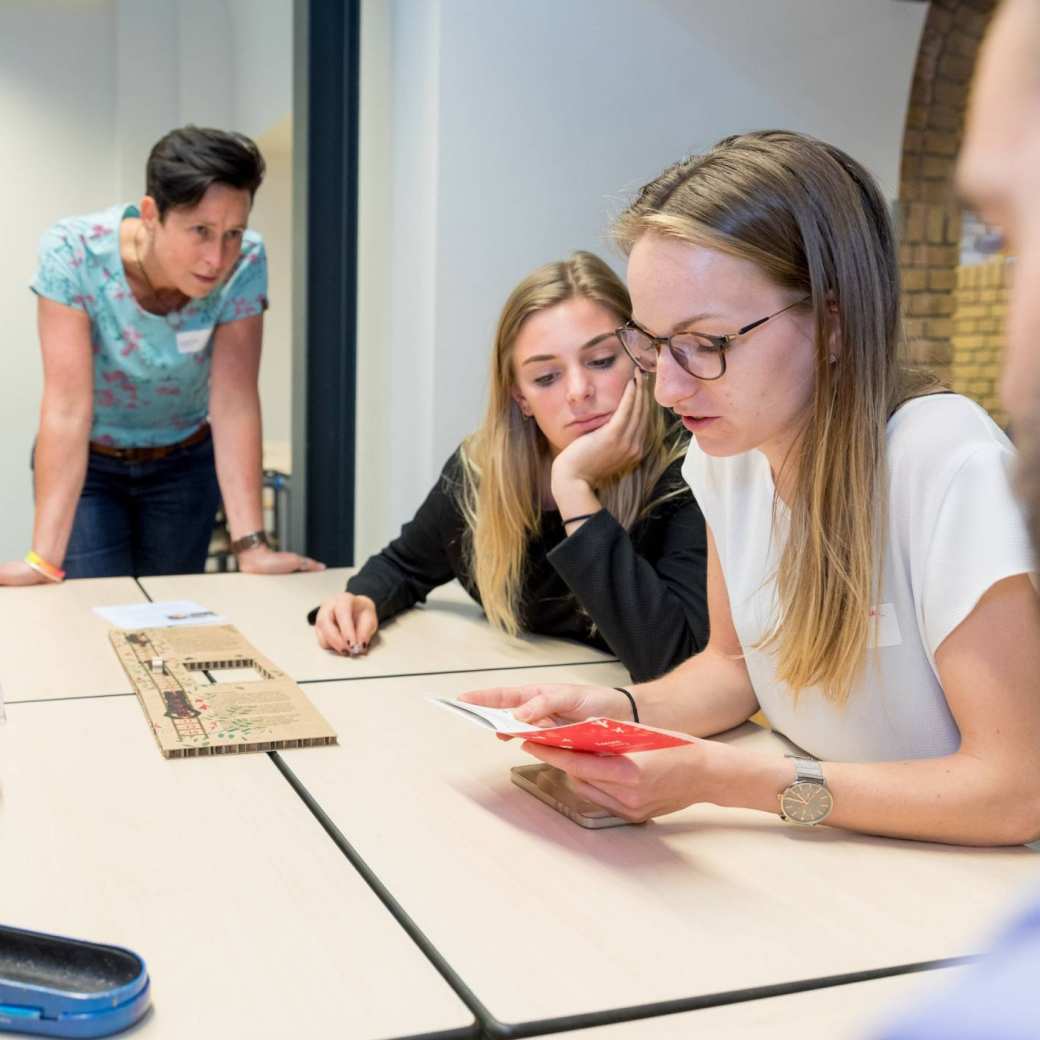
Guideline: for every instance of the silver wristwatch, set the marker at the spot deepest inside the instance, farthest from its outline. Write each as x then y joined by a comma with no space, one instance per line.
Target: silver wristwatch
808,800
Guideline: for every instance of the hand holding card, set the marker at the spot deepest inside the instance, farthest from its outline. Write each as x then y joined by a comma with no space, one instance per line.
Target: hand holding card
596,736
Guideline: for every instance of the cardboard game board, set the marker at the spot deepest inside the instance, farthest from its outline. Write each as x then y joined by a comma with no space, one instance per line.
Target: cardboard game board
206,691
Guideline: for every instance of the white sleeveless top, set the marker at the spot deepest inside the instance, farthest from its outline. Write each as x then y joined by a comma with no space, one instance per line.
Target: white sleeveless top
954,530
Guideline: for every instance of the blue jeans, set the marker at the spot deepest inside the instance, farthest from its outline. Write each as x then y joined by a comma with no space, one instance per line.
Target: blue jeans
140,518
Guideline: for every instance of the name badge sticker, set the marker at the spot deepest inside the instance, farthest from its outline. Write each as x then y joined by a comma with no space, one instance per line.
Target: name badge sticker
193,341
884,626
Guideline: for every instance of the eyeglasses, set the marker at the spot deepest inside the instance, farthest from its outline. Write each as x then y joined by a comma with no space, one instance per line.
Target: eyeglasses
697,353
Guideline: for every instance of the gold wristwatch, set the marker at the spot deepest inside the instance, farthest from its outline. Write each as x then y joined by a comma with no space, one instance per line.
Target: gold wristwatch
808,800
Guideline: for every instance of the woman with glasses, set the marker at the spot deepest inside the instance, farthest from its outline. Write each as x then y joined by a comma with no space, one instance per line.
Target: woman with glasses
565,513
868,567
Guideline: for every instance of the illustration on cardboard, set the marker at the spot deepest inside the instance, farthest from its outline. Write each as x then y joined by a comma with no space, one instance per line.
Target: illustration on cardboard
206,690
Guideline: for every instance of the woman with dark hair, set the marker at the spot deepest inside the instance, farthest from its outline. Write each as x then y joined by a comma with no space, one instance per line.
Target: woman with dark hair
151,321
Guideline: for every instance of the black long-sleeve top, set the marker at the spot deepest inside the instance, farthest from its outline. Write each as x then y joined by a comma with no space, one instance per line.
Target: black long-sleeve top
640,594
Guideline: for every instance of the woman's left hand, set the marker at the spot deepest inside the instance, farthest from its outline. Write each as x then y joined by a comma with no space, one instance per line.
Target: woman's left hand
639,786
615,447
17,572
261,559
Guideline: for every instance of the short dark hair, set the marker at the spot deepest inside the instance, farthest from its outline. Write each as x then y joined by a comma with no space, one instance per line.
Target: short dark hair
183,164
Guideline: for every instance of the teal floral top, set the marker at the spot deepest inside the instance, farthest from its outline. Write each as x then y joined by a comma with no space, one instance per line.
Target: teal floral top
151,372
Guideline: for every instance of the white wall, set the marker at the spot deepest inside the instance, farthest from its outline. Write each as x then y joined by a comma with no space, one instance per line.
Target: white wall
59,157
86,88
515,129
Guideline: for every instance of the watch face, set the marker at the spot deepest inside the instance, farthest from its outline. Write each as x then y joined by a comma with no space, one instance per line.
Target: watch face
806,802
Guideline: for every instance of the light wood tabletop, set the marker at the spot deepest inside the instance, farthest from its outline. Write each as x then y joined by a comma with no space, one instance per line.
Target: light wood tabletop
53,645
448,633
857,1011
250,920
700,902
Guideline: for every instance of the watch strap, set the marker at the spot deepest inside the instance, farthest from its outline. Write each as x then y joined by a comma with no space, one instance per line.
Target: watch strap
807,769
248,541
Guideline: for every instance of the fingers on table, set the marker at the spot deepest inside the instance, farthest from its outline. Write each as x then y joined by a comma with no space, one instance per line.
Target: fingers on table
365,622
327,629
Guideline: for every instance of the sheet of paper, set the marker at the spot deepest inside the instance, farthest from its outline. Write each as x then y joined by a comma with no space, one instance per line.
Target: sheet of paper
167,614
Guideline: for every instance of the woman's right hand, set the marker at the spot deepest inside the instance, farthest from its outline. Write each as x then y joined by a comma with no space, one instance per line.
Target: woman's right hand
18,572
551,705
346,623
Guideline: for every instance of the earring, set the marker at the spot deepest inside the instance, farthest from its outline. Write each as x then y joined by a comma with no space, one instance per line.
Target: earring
834,358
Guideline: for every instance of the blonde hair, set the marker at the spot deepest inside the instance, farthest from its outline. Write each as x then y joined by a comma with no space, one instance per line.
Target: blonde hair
813,220
505,462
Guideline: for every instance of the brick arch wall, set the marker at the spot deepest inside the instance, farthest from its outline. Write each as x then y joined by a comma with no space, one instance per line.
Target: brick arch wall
930,213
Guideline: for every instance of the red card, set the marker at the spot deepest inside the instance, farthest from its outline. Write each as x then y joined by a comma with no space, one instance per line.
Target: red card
604,737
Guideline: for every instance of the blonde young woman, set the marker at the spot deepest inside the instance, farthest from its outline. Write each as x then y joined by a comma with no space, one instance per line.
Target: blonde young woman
868,582
565,513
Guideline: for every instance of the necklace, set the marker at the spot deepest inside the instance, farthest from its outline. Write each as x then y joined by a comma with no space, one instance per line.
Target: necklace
168,314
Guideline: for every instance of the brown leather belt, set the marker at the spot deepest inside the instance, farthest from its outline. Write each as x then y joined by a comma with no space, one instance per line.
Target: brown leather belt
150,454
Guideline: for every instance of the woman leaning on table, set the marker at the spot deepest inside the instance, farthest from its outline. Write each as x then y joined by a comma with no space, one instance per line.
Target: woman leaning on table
868,566
565,513
151,320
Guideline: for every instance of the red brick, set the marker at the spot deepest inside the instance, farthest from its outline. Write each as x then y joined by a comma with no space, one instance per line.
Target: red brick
915,279
943,117
963,44
938,142
917,117
937,192
942,256
953,95
934,168
939,21
956,67
936,228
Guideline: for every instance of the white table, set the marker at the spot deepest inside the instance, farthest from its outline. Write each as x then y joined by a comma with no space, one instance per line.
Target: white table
52,644
857,1011
545,921
449,633
251,921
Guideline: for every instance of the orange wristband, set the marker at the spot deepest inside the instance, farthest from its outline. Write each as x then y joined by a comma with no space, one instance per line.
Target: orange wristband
41,566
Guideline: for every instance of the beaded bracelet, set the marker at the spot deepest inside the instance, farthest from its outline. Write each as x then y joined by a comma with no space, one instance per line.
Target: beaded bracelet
42,567
631,700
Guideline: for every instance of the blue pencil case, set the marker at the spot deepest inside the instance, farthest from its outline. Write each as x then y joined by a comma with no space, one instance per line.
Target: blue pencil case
53,986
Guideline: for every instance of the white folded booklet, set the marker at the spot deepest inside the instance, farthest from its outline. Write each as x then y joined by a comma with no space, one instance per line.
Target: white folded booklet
501,720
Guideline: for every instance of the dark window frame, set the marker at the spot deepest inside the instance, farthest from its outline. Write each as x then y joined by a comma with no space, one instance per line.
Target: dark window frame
326,94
